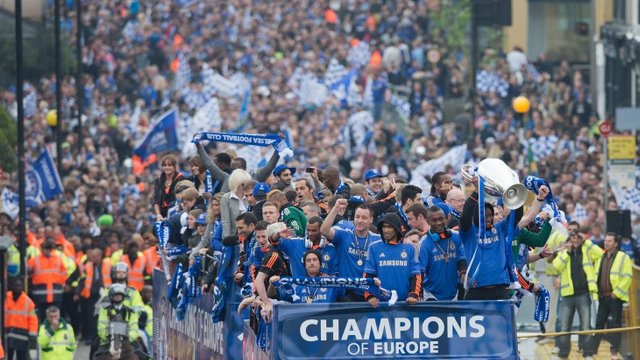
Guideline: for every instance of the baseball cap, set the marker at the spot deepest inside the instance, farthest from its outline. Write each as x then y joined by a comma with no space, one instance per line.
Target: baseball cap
280,168
201,219
261,189
371,174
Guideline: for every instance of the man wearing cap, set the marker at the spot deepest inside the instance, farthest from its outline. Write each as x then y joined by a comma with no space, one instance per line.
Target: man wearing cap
284,175
393,262
260,192
373,181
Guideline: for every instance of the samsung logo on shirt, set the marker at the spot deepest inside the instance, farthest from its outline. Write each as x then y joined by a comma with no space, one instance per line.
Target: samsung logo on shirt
392,263
489,240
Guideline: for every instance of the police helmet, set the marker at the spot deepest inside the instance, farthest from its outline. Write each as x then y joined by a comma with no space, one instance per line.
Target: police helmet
117,289
121,266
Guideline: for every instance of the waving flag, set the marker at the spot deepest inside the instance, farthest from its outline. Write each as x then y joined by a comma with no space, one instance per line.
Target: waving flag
490,82
161,137
358,131
542,146
453,158
359,55
335,72
43,181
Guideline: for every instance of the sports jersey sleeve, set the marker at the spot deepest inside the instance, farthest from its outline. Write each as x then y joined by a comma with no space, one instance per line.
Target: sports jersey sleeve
536,239
340,236
415,265
271,263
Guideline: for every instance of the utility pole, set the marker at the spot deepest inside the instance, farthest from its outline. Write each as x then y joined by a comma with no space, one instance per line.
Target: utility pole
79,87
22,215
58,65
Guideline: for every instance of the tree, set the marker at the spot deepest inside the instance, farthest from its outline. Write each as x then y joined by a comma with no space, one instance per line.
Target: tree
453,20
38,51
8,141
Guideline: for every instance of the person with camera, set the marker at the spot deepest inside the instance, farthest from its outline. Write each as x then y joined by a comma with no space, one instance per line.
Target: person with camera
575,261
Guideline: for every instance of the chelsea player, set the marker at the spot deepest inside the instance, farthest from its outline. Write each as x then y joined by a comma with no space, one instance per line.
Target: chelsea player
352,245
393,262
442,258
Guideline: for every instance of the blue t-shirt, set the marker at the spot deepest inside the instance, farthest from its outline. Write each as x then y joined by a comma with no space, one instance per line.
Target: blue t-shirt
491,254
352,252
393,264
295,248
440,277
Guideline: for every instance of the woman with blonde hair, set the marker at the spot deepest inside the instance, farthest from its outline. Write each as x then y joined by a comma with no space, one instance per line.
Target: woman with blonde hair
212,238
234,202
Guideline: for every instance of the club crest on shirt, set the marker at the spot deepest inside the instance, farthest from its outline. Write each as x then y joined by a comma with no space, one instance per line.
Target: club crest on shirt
403,254
452,246
326,257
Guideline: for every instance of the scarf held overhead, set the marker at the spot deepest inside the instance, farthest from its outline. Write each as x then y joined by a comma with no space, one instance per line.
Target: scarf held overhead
263,140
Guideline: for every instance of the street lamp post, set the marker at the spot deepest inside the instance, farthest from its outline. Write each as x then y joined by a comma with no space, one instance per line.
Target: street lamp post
58,65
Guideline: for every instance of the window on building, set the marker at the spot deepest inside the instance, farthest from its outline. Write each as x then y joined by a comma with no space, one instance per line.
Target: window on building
620,10
561,29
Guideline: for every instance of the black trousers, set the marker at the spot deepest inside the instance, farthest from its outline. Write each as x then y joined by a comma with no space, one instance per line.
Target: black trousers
488,293
89,320
20,354
608,306
70,310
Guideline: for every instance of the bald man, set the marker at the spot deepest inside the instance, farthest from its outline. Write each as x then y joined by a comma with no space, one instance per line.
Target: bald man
455,200
331,179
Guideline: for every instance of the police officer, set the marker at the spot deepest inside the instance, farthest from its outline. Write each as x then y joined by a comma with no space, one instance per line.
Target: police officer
124,329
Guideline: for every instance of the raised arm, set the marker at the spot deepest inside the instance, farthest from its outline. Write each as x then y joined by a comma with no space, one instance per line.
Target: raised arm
216,172
327,225
263,173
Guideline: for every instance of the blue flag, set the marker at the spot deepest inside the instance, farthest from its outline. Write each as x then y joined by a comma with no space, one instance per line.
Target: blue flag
161,137
43,181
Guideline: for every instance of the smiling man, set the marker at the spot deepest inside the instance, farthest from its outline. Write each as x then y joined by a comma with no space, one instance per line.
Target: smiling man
373,180
442,259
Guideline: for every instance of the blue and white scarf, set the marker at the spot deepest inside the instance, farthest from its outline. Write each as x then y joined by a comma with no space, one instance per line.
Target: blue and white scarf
263,140
543,304
286,285
162,230
534,184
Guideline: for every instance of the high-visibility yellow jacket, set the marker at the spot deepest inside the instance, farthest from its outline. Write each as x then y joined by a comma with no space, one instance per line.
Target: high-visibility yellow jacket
105,317
57,343
590,255
556,238
620,275
13,260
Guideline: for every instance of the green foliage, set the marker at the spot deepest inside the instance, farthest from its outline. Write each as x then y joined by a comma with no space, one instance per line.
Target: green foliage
8,142
452,21
38,53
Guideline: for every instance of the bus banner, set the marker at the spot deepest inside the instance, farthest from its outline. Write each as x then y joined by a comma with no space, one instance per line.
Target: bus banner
442,330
